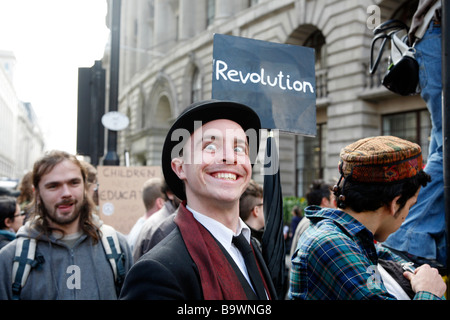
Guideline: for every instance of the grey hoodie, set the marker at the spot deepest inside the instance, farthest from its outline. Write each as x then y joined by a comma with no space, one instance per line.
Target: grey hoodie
78,273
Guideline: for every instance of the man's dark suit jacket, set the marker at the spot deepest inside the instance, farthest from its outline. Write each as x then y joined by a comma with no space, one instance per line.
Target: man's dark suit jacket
168,272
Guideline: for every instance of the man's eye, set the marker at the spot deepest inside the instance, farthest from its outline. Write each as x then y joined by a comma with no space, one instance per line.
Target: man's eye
239,149
210,147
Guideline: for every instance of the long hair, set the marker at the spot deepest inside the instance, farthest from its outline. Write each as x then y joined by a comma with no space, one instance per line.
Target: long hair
26,190
39,215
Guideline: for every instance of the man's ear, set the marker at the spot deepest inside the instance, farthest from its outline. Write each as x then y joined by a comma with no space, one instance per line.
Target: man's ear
254,211
8,222
160,203
325,203
394,206
177,167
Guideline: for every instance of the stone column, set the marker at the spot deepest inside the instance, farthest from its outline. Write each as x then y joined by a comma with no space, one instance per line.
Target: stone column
127,41
165,26
144,33
192,18
227,8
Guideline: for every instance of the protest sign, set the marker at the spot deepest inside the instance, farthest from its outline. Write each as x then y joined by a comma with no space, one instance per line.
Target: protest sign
120,194
276,80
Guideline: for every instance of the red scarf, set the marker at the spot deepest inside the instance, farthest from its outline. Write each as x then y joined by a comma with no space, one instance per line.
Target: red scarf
218,279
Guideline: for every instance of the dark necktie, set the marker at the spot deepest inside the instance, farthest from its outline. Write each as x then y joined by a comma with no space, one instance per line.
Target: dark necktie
241,243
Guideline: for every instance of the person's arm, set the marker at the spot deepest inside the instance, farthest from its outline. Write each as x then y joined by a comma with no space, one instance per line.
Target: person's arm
7,254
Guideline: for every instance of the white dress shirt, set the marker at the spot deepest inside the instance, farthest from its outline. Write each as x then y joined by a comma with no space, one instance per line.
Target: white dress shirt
225,236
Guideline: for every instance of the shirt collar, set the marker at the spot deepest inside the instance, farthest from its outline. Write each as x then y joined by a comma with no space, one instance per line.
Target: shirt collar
222,233
350,224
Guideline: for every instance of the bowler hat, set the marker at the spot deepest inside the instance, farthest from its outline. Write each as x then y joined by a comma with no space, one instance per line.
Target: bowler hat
382,159
206,111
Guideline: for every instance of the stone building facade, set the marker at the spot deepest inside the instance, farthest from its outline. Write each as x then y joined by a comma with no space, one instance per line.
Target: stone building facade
22,139
166,63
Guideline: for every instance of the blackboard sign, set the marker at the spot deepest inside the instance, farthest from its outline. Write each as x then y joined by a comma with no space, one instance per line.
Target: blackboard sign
276,80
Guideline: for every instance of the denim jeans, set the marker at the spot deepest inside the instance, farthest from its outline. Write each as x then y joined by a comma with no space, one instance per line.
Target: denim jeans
423,232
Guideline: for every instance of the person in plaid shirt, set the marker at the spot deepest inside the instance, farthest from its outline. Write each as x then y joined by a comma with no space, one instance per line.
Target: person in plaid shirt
337,258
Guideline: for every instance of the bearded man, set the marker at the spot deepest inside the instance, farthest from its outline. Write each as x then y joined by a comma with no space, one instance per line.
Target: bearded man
69,261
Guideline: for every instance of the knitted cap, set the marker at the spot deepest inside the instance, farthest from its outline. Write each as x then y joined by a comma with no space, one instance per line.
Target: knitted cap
380,159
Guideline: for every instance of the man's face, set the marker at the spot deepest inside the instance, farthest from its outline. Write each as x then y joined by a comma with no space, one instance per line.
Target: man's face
215,165
394,222
18,219
61,192
260,210
402,213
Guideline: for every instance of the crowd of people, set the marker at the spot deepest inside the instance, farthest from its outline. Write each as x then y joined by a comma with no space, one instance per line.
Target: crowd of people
200,236
376,233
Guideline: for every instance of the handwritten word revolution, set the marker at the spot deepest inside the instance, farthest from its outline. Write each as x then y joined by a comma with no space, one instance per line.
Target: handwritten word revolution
282,81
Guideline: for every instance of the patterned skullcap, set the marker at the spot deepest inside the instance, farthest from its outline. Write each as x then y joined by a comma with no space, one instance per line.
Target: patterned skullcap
382,159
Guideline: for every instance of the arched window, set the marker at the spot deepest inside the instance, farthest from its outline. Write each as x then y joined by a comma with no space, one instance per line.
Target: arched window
310,36
310,161
162,112
316,40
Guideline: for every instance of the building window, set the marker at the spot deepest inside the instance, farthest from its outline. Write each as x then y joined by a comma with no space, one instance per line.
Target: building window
316,40
311,159
162,113
413,126
211,11
309,36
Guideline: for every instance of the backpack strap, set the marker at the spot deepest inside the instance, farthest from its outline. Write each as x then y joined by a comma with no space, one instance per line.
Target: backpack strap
23,262
114,254
25,259
383,32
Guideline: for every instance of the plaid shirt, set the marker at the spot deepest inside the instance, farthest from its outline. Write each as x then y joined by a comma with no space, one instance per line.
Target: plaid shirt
336,259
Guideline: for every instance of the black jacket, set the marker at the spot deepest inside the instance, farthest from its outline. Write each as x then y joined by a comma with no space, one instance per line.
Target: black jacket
168,272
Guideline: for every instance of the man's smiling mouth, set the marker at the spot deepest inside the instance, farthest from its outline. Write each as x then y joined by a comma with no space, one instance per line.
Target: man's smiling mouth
225,176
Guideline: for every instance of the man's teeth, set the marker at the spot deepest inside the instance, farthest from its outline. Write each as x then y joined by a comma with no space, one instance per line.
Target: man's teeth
227,176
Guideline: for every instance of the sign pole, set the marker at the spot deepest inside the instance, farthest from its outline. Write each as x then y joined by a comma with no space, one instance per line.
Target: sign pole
111,157
446,124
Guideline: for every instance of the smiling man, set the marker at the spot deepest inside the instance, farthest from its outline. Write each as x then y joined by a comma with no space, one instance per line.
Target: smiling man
70,260
207,162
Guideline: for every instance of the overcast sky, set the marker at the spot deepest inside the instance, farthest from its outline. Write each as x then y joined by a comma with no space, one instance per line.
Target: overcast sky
51,39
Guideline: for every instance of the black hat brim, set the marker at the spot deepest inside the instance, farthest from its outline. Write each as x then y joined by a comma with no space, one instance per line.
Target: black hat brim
206,111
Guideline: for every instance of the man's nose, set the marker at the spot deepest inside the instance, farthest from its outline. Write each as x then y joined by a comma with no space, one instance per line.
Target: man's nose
228,155
65,190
